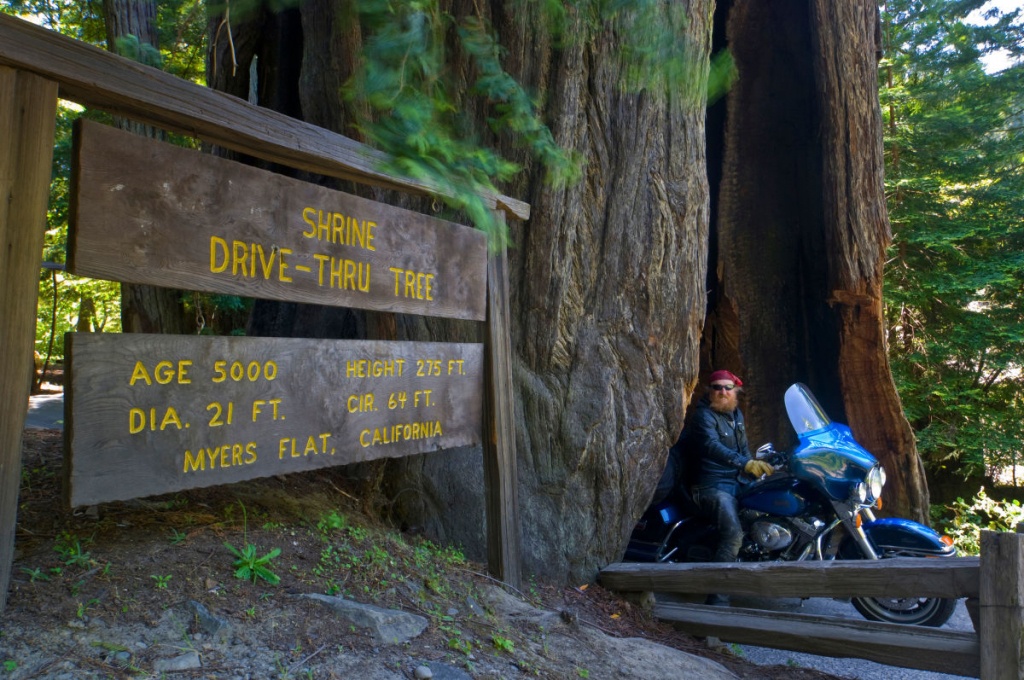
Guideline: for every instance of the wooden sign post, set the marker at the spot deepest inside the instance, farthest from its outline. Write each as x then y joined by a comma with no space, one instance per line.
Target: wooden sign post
321,267
28,106
167,413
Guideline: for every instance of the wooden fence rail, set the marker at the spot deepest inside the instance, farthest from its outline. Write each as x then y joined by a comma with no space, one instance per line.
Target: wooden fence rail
954,577
993,585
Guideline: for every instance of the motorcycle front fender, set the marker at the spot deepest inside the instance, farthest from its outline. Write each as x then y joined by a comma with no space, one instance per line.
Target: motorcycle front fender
894,537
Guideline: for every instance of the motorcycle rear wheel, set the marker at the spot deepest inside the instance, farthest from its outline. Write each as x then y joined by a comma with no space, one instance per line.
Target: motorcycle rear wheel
916,611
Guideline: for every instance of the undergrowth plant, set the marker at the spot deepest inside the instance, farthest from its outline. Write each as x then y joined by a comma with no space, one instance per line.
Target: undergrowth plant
963,520
249,564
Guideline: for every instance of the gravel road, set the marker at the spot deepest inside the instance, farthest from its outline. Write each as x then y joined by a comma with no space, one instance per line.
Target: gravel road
46,411
856,669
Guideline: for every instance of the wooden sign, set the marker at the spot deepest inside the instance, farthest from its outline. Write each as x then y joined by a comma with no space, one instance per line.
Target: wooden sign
144,211
151,414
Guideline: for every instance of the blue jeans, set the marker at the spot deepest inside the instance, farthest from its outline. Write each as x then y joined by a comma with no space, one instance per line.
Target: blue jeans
721,508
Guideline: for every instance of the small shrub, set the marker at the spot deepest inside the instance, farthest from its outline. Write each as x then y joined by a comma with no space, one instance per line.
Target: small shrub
964,521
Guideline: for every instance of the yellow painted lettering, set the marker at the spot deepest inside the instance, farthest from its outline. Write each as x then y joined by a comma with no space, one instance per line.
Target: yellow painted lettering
170,418
250,453
398,273
358,233
350,275
307,217
194,463
370,226
266,266
218,255
320,259
337,228
139,373
323,227
282,266
163,373
337,266
136,420
239,257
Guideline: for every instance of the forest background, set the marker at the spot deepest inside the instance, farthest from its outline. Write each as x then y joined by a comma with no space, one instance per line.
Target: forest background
951,88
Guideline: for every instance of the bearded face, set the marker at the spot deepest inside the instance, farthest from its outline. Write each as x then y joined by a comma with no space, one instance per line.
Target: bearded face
724,396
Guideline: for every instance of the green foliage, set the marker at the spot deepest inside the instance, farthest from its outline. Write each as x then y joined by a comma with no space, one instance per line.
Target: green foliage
964,521
161,580
36,574
70,548
424,112
503,644
955,191
249,565
423,128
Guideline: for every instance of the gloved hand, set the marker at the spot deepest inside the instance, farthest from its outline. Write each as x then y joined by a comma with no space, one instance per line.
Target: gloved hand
757,468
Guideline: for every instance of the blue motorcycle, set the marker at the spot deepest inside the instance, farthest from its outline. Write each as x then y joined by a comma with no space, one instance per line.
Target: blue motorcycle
817,506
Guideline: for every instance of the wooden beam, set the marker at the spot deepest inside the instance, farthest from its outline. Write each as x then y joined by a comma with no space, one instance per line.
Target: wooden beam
1001,605
952,577
500,477
886,643
99,79
28,106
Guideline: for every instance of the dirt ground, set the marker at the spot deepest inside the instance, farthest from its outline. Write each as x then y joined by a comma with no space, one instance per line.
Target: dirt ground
124,566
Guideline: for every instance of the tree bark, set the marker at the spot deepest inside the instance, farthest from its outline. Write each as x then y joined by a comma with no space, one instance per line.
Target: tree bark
802,230
857,234
144,309
607,283
609,301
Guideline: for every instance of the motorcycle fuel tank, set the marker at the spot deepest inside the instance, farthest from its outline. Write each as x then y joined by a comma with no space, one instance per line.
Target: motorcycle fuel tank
777,495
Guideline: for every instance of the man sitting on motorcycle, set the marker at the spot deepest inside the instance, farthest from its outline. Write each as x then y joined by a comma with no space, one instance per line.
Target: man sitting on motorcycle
716,440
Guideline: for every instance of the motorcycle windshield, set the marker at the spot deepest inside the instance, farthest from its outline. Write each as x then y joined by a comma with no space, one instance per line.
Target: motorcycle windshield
805,413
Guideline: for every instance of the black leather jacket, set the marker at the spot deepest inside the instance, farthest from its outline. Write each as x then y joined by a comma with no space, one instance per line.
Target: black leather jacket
719,442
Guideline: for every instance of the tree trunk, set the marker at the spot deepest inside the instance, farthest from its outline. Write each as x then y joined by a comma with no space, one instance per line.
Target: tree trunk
609,276
144,309
802,230
608,296
607,283
857,234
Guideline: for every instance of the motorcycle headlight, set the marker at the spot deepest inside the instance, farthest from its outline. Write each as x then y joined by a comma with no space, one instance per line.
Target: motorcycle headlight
875,481
859,492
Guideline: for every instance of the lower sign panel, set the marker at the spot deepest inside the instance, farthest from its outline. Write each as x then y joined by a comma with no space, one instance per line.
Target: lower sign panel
151,414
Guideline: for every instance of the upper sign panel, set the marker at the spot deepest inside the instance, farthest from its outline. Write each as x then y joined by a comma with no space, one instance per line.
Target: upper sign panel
148,212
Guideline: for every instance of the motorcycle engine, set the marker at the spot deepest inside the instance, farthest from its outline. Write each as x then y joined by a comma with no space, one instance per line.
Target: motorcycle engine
769,535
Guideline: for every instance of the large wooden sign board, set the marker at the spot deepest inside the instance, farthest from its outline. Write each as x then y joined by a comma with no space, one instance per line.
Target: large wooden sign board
148,212
151,414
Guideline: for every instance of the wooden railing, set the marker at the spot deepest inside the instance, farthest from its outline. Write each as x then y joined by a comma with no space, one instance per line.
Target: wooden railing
993,585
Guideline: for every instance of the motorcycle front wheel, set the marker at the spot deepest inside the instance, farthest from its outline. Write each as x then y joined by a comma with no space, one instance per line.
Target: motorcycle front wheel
916,611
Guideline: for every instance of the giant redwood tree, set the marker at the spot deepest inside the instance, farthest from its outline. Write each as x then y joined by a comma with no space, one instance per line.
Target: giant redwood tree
610,277
802,227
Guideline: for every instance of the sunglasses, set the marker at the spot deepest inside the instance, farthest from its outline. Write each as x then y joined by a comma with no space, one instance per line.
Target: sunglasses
727,388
